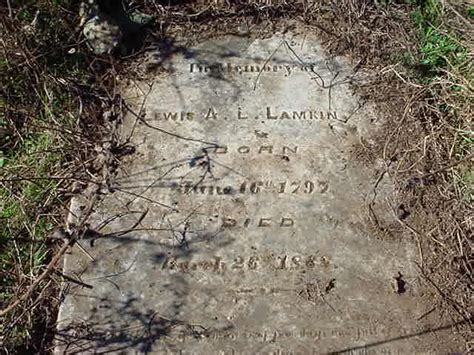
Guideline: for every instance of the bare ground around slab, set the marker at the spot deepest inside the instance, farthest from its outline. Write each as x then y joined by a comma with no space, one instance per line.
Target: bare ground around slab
426,146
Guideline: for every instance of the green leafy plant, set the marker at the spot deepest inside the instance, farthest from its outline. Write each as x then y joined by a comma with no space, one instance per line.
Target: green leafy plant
42,84
470,11
438,49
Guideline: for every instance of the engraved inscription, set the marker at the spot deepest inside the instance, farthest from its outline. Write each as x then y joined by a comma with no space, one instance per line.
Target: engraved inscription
252,68
244,263
263,149
255,187
284,222
267,113
272,336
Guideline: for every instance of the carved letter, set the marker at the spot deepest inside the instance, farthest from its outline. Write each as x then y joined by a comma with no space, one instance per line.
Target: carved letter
264,222
287,222
286,150
332,115
170,115
223,191
217,263
229,222
268,148
240,116
220,150
243,150
210,190
314,115
269,114
211,114
299,115
285,115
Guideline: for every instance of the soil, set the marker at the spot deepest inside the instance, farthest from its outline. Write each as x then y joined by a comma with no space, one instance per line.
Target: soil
373,36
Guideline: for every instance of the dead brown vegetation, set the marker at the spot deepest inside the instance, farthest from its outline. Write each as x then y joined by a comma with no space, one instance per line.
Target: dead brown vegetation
51,131
427,148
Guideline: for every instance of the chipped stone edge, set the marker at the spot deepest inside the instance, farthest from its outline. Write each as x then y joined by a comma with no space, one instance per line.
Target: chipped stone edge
78,204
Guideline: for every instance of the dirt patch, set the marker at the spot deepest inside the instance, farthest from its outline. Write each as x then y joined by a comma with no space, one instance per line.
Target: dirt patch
424,147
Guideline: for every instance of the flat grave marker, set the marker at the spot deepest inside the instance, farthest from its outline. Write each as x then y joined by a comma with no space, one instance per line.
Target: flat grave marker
239,225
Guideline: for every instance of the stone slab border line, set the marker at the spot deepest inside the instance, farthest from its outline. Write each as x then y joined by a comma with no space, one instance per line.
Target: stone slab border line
241,224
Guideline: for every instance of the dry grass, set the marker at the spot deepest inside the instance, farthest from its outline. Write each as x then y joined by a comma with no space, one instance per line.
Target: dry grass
425,89
51,126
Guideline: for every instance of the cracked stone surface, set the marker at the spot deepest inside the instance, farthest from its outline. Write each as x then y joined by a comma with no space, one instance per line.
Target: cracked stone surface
239,225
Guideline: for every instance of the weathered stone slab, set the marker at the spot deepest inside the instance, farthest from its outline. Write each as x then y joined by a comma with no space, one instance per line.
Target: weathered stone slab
239,225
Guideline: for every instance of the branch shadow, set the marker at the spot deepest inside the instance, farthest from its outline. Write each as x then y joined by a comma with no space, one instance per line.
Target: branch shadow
368,346
118,318
149,327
